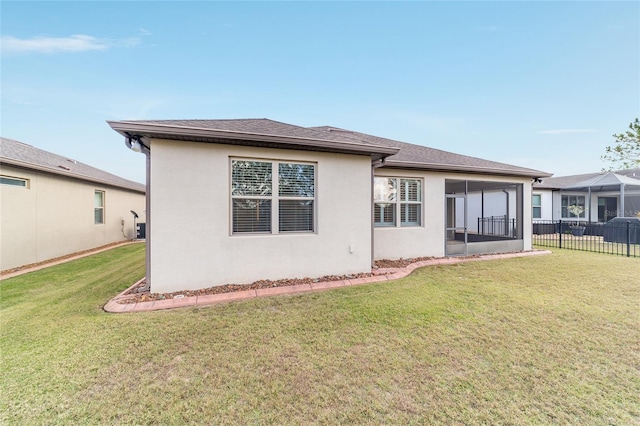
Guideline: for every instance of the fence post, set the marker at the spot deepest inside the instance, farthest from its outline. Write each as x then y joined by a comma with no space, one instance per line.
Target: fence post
628,238
560,233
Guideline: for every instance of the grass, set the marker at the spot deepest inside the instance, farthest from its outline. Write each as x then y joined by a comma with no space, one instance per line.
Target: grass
541,340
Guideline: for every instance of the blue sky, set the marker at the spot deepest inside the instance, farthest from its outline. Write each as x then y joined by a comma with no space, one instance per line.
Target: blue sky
537,84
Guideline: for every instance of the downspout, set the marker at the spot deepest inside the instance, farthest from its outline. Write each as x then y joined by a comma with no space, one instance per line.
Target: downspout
622,201
482,209
507,223
147,154
589,205
374,165
136,143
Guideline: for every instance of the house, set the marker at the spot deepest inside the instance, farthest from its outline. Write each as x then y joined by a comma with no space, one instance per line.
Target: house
52,206
599,196
235,201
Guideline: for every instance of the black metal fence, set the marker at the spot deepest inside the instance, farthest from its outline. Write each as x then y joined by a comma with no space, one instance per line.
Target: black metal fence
497,225
619,237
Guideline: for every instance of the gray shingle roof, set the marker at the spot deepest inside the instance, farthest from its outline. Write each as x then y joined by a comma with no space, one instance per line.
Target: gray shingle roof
248,132
19,154
259,126
400,154
573,180
422,157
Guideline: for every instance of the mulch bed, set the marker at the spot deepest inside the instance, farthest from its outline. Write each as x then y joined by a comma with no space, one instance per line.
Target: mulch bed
141,292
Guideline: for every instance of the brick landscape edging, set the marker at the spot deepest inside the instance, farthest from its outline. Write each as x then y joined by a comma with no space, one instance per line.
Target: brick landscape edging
209,299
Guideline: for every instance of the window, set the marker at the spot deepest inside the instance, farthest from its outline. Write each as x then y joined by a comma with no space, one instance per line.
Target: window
263,190
384,196
536,203
12,181
573,206
98,207
388,206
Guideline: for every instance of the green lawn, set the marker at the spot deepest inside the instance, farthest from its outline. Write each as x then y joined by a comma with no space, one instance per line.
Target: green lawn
540,340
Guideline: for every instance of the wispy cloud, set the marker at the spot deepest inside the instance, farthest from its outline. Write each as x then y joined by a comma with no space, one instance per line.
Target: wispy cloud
565,131
72,44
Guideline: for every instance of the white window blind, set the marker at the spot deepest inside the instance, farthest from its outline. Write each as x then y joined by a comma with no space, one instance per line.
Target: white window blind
410,202
251,188
263,190
397,198
384,208
296,192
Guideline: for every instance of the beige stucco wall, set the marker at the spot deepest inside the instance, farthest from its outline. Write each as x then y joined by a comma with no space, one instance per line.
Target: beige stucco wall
54,217
429,239
191,242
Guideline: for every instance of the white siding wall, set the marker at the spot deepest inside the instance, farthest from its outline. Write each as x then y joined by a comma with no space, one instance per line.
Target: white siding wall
55,217
191,242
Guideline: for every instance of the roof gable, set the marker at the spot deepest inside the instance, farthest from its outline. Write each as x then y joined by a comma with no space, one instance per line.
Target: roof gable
23,155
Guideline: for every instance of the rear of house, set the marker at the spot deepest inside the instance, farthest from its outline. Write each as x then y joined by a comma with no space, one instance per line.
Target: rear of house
236,201
599,197
52,206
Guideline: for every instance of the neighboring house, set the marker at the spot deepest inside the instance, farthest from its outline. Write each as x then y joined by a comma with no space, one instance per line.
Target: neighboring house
52,206
235,201
599,196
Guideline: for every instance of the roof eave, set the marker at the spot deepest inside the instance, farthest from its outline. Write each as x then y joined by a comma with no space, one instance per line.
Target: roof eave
69,174
463,168
161,131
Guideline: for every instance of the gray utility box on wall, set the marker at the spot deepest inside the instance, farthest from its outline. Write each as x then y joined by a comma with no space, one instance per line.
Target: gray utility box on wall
141,231
622,230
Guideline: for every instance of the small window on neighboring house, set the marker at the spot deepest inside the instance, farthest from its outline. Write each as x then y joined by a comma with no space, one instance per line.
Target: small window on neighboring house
260,189
98,207
389,210
13,181
573,206
536,203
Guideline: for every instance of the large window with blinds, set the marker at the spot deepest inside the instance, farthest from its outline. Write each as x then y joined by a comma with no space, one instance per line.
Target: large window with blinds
272,197
397,202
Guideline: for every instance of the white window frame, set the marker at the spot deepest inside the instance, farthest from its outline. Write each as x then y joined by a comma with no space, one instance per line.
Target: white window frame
394,200
16,182
274,197
100,208
536,207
